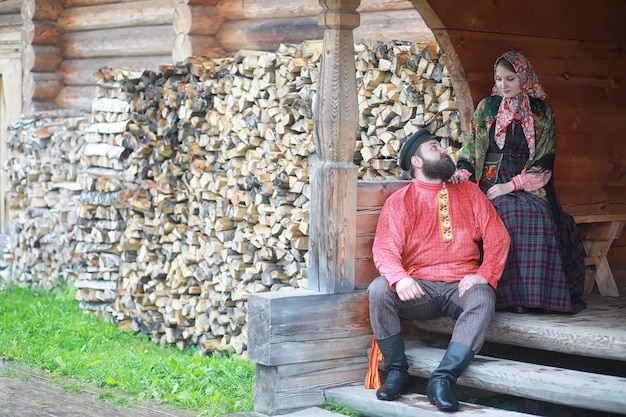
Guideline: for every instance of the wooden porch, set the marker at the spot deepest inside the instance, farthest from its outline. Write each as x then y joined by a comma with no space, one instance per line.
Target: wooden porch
311,345
577,362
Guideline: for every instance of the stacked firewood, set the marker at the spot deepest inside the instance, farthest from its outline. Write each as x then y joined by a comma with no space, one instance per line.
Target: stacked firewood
43,170
196,185
100,220
403,86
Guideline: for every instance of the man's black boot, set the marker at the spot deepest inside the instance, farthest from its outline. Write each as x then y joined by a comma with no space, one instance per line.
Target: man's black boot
396,366
439,389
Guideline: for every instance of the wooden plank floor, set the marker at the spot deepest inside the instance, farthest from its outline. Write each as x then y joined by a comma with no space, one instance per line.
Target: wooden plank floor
599,331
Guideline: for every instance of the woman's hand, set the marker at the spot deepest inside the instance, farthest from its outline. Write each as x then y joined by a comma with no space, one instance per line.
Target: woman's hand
500,189
460,175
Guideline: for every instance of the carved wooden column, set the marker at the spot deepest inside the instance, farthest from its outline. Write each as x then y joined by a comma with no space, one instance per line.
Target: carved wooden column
334,176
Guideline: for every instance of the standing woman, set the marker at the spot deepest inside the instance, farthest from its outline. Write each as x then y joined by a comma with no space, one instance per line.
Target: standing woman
510,153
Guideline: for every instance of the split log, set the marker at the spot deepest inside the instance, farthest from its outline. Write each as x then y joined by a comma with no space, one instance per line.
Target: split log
42,183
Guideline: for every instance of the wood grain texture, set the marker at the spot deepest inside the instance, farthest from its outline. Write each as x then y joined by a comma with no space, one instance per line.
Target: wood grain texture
113,15
540,382
295,331
136,41
598,331
276,389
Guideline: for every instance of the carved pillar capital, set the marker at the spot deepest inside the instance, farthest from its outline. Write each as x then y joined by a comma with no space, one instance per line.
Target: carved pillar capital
339,14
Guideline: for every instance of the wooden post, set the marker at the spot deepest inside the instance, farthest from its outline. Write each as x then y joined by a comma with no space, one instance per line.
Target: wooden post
334,176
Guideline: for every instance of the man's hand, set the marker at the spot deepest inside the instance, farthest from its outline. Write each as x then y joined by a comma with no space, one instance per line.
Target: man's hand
408,289
468,282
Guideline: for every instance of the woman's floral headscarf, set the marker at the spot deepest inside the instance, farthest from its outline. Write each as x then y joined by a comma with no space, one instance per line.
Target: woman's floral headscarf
518,107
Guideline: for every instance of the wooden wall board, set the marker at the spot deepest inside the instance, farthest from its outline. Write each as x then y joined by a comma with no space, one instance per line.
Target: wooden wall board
578,21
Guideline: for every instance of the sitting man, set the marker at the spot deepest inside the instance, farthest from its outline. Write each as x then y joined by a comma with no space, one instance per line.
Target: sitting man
440,249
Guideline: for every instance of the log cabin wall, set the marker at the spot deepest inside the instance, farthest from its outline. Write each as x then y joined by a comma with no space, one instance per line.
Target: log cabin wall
111,33
577,49
41,55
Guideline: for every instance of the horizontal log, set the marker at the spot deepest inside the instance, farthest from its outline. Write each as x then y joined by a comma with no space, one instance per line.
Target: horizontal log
10,35
267,35
76,97
206,46
82,3
118,15
47,58
82,71
11,19
407,25
46,32
46,85
38,107
204,2
10,6
135,41
266,9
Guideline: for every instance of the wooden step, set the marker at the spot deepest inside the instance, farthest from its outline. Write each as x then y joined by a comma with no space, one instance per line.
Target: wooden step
539,382
410,405
598,331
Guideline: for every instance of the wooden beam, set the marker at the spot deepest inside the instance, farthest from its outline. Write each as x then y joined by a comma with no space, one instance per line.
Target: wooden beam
333,177
304,342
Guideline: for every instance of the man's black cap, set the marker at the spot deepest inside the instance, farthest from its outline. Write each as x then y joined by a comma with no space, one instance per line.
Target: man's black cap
410,147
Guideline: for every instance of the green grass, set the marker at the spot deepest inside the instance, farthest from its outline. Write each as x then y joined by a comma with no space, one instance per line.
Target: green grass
47,330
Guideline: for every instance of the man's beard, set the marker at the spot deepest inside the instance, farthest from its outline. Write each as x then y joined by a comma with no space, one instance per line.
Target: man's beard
439,170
